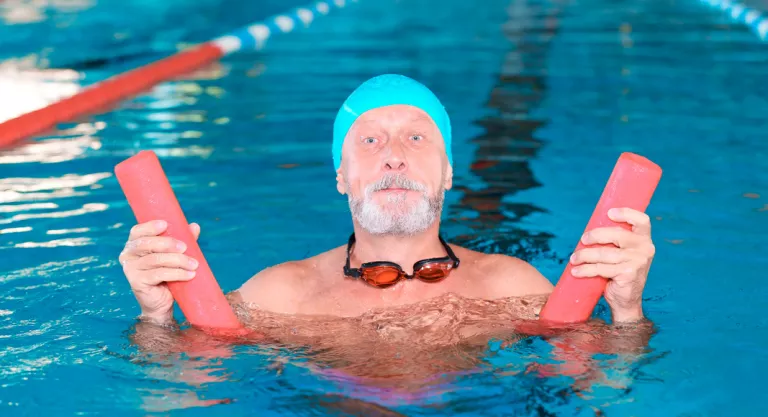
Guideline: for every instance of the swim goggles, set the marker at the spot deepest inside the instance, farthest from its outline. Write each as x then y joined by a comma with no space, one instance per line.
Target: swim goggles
385,274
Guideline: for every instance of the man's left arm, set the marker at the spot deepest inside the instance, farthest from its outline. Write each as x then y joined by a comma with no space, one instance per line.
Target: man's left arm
624,260
625,263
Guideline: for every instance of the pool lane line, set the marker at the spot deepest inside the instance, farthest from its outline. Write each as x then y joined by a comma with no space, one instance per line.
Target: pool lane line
756,20
124,85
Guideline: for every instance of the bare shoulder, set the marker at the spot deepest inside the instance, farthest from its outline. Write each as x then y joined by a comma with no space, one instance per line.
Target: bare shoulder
283,288
505,276
276,288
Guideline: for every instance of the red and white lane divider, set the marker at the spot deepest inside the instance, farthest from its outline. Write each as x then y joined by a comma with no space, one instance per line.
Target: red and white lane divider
132,82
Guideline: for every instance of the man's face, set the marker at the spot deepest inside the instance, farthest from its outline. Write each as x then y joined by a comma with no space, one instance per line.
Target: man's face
394,170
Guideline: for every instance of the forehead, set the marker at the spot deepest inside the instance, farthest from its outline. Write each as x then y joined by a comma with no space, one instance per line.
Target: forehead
394,115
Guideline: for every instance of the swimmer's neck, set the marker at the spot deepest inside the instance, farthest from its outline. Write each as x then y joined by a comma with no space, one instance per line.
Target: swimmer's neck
403,250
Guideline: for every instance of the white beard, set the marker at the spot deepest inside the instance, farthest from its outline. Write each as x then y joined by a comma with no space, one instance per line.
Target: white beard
400,217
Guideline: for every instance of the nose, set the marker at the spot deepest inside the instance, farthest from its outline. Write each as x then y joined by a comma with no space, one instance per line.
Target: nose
394,161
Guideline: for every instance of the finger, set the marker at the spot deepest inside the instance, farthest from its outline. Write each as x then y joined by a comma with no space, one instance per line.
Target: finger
151,228
600,270
154,244
161,275
195,228
165,260
606,235
599,255
641,223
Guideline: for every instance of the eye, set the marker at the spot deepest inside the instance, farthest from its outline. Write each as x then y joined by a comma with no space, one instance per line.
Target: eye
370,140
416,138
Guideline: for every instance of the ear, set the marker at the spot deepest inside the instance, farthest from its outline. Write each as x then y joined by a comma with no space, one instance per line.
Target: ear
341,185
448,183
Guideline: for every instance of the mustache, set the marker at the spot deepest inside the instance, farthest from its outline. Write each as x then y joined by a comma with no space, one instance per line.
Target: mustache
396,181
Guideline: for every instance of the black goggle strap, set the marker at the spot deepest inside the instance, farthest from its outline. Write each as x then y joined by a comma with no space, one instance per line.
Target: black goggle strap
354,273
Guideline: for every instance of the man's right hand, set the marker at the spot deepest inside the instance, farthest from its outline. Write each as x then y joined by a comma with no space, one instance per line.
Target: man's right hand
149,261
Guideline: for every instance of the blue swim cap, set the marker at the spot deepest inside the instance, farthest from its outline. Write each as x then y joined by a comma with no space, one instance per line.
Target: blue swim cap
387,90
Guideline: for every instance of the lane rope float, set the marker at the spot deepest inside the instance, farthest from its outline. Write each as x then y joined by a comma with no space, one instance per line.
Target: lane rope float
132,82
756,20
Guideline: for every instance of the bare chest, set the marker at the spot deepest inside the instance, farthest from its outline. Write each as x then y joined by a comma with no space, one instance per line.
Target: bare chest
331,293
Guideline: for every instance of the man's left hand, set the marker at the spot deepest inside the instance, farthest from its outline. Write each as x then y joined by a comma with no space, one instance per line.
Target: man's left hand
626,264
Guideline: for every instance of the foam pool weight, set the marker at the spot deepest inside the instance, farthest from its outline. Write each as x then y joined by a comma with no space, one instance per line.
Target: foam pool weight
631,184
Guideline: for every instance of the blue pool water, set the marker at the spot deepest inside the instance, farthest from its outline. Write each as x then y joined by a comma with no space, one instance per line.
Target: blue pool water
544,96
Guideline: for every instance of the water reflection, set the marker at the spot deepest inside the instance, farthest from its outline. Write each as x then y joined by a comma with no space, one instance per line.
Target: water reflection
509,143
85,209
40,189
65,231
28,89
47,268
424,354
165,400
79,241
191,358
15,230
337,404
26,207
24,11
34,203
50,150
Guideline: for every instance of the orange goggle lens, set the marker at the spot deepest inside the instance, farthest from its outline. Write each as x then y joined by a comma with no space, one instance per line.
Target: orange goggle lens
382,276
385,276
434,271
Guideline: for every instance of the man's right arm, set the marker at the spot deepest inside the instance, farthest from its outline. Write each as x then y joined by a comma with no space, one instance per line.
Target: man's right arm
275,289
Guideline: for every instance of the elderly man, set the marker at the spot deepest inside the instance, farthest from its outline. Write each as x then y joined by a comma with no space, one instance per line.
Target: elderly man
392,153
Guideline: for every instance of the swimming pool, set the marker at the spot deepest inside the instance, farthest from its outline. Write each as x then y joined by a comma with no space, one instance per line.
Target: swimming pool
543,95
